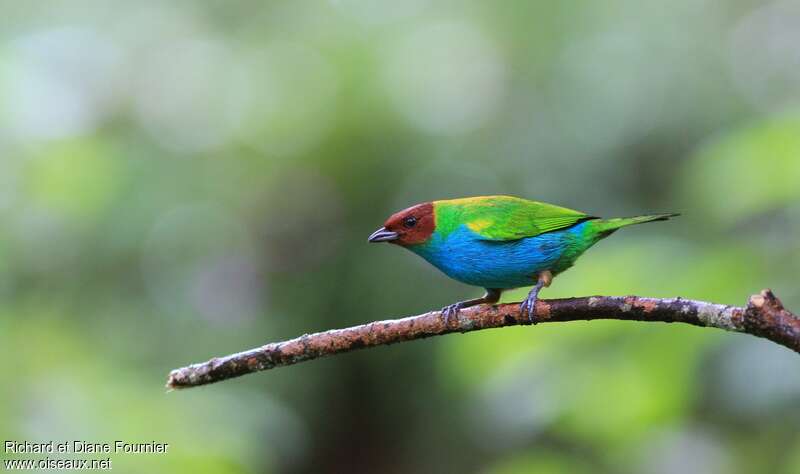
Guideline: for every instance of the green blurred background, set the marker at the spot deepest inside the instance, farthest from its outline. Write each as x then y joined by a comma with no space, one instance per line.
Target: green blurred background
186,179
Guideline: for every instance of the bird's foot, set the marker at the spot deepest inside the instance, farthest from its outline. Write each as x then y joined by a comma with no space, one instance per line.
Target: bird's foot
451,311
448,312
528,307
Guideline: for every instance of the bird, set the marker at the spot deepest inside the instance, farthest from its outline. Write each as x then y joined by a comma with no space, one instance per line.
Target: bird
499,242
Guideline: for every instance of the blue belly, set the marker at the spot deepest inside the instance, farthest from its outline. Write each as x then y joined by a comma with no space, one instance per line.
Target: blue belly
465,257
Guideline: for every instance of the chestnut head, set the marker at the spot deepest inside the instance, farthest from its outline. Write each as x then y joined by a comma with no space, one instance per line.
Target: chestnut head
408,227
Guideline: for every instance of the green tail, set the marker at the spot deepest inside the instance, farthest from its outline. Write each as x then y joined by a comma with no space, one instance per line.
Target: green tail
606,227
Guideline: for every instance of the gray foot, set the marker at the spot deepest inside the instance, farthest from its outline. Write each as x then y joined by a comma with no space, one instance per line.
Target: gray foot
451,311
528,307
448,312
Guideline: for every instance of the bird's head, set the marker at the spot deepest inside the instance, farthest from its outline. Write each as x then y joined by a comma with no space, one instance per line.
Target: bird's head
407,227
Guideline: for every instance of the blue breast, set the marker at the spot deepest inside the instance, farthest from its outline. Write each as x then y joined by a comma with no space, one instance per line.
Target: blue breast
465,257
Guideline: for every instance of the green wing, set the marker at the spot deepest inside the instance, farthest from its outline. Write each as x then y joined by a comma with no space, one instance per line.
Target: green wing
503,218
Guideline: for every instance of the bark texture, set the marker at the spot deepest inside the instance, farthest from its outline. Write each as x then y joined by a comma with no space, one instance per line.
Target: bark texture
764,316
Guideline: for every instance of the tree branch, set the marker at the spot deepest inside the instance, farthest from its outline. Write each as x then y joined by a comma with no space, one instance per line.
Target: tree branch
764,316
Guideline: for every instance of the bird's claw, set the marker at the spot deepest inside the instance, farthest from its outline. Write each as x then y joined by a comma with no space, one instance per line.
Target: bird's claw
450,311
528,308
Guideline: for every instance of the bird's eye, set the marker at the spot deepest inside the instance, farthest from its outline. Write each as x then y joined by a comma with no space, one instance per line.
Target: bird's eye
410,222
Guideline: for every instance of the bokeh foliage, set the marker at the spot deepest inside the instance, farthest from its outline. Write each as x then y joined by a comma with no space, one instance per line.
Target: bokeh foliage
185,179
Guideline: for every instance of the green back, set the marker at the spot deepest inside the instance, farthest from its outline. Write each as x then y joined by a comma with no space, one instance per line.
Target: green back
503,217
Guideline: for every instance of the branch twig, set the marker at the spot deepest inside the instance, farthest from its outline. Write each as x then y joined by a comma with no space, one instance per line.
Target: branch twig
764,316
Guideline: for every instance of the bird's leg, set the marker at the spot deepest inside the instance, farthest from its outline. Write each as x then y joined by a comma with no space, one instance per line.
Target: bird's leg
492,296
529,305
